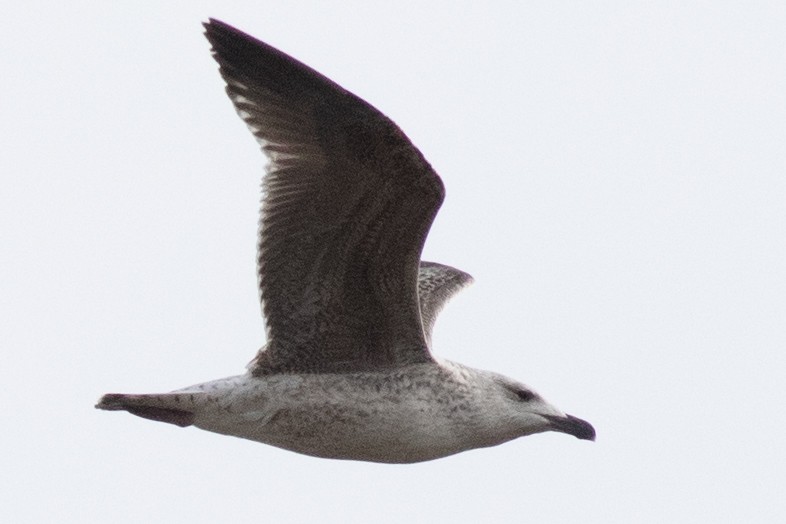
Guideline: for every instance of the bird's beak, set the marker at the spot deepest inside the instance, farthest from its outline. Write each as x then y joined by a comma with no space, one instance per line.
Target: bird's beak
572,425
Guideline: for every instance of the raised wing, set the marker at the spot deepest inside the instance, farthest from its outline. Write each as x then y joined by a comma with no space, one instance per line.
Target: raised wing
348,202
437,284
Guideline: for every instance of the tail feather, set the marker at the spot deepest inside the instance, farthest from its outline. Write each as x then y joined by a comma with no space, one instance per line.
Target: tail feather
148,406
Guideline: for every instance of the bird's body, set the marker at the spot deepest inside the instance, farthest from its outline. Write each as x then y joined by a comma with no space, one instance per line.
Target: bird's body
411,414
347,370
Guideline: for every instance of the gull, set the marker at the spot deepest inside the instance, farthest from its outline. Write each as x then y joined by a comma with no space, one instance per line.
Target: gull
347,370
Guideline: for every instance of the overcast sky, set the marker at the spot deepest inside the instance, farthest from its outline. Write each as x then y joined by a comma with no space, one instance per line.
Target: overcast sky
616,184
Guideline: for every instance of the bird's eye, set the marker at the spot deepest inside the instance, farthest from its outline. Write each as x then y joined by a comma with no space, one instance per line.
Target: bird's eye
525,395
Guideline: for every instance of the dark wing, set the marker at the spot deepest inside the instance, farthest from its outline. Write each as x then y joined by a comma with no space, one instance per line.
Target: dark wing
348,202
437,284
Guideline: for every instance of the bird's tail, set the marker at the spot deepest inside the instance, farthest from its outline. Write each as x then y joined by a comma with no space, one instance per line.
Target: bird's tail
172,408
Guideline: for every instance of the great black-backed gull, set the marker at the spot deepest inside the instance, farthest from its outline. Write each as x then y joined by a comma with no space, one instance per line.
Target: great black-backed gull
347,370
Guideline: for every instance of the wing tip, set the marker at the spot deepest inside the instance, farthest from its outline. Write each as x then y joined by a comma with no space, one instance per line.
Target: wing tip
457,276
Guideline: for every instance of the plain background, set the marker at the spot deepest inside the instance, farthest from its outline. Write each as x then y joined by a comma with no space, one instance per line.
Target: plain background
615,183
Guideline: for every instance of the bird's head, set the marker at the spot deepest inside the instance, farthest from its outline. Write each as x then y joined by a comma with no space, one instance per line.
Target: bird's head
526,412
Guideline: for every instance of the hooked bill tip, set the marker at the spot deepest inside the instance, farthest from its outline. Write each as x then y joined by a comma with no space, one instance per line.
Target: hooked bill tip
571,425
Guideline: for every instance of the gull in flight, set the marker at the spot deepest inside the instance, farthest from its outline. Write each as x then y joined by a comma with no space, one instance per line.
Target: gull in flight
347,371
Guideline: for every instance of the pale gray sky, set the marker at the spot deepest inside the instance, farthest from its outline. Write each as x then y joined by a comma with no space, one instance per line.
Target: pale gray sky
616,183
